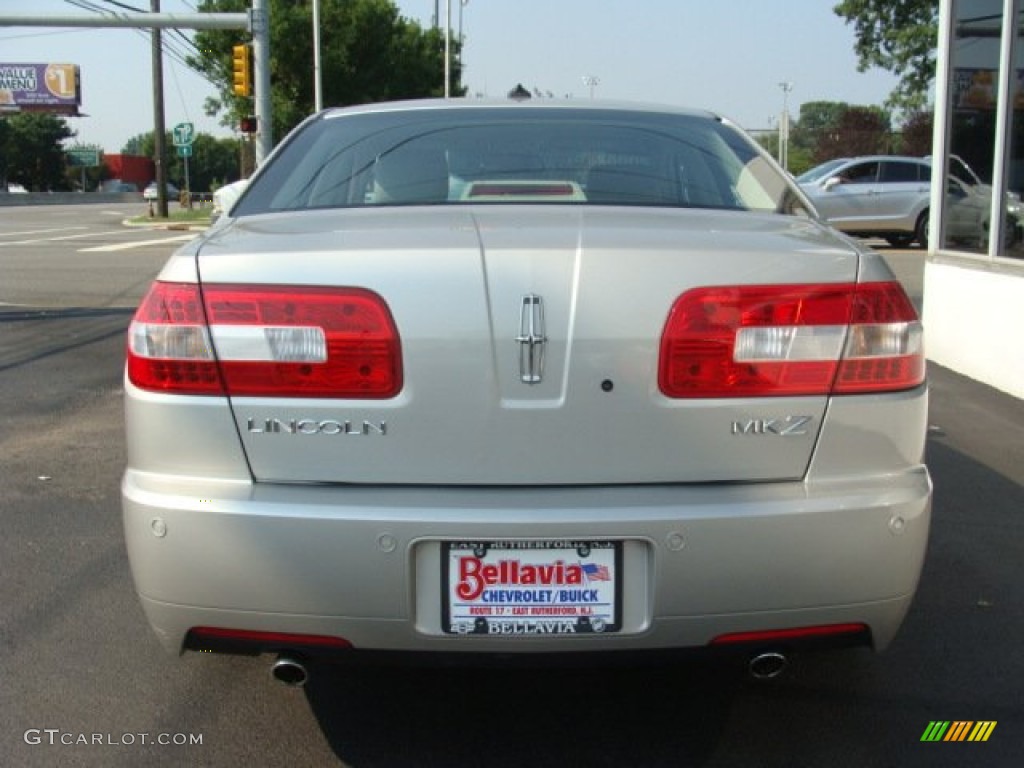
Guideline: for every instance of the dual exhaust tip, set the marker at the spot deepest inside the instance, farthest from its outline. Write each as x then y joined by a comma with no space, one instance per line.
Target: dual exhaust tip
292,671
767,666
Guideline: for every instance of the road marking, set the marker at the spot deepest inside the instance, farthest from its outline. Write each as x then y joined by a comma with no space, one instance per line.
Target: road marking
38,240
138,244
38,231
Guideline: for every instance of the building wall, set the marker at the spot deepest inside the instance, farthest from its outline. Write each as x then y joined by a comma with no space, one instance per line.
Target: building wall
974,322
974,286
131,168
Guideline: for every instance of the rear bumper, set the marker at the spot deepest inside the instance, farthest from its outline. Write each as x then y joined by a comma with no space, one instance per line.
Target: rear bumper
363,563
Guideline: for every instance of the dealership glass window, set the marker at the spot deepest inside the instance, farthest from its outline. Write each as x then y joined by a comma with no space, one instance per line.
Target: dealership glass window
975,71
1013,240
974,94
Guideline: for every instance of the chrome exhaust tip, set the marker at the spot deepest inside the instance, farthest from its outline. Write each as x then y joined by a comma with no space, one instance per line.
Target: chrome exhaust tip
767,666
290,671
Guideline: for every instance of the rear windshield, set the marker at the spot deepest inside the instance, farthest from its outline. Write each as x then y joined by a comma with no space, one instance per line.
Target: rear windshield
507,155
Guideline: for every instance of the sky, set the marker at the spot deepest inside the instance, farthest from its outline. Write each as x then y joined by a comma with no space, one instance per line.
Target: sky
729,56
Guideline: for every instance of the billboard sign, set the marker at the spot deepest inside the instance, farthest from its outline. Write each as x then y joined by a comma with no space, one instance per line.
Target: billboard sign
85,158
40,88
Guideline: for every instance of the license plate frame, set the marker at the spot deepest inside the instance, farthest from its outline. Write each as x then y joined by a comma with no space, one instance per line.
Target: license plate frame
531,588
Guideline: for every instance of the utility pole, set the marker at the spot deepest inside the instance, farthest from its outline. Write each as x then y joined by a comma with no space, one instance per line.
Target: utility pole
318,88
786,87
260,28
447,48
158,115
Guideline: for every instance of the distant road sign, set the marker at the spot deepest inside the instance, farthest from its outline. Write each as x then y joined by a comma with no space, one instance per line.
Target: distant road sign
182,134
85,158
184,150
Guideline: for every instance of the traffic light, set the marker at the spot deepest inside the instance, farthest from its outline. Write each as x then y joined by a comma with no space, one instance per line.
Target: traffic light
247,124
241,70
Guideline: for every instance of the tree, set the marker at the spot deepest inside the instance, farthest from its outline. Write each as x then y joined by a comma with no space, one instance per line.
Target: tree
828,129
31,150
214,160
371,54
859,131
917,133
817,119
899,36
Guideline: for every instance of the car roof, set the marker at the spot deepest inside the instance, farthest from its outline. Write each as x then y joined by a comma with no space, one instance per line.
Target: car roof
525,104
890,158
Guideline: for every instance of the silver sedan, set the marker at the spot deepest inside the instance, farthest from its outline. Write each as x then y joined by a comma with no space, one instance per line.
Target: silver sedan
482,377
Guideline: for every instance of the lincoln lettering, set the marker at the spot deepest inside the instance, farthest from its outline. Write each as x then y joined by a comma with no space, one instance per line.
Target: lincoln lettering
315,427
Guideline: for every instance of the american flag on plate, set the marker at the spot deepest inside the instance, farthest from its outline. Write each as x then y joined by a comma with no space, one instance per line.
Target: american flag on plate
595,572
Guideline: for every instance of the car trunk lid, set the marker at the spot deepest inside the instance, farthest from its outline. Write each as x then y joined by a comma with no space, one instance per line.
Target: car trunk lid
530,343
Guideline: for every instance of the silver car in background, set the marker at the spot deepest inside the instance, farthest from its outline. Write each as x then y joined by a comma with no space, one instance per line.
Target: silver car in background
481,377
884,196
890,197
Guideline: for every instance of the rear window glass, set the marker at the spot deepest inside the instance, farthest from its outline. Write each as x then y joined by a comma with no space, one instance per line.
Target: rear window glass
496,155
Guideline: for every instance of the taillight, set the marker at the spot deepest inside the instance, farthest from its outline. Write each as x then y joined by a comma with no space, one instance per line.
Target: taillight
776,340
260,340
169,345
793,633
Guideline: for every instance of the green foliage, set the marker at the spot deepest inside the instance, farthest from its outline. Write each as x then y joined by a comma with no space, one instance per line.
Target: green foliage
859,131
800,160
899,36
369,53
817,118
212,161
134,145
828,129
31,152
916,137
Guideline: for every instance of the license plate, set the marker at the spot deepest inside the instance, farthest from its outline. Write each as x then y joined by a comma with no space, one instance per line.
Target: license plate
531,587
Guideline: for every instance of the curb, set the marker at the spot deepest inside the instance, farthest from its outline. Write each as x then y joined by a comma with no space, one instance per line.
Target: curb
167,225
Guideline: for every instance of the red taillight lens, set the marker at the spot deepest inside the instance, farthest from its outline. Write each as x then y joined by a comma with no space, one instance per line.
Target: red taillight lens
278,341
199,635
777,340
794,633
169,345
884,350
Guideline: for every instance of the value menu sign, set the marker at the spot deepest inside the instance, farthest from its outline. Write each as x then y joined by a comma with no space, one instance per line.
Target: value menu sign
40,88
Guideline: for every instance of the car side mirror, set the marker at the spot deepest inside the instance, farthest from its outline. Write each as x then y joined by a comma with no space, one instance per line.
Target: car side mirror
832,183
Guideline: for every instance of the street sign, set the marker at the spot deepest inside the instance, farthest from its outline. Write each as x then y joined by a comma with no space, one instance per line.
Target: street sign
182,134
85,158
184,150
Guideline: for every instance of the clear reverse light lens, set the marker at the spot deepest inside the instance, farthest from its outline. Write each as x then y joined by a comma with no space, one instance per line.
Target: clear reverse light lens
285,344
170,342
884,340
782,343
